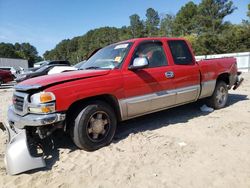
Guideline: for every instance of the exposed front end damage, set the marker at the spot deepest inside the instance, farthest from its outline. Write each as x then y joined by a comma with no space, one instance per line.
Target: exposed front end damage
29,122
18,156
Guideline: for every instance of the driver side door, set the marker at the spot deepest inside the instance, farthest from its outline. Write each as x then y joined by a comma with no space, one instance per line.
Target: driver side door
149,89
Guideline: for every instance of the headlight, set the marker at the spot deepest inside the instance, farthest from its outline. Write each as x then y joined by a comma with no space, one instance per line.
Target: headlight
43,109
43,97
42,103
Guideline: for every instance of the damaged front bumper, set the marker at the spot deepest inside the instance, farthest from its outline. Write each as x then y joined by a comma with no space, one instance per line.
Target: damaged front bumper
18,158
21,155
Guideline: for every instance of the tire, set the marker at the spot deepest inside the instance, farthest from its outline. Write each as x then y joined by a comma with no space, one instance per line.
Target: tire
1,81
94,127
219,98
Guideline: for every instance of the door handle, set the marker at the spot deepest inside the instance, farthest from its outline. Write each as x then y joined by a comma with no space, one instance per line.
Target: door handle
169,74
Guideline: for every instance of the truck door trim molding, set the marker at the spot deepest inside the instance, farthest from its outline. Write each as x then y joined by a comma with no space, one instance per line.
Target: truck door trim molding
145,104
153,102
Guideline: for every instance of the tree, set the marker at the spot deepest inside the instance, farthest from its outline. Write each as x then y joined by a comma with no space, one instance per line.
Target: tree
167,25
236,38
136,26
27,51
152,22
79,48
248,13
7,50
185,21
211,14
203,25
23,51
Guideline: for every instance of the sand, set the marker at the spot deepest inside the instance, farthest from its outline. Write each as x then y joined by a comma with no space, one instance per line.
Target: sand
180,147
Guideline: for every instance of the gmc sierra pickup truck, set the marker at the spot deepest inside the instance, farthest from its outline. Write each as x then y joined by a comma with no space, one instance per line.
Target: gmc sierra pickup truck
119,82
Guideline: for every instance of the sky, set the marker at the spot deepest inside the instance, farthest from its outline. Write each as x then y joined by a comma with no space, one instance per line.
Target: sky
44,23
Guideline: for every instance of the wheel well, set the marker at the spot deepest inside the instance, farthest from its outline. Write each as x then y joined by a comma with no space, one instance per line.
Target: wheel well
75,108
224,77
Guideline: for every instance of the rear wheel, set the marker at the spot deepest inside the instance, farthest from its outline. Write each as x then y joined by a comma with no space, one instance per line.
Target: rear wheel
219,98
94,127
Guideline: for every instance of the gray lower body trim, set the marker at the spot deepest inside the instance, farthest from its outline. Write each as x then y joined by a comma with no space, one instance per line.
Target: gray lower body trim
141,105
207,88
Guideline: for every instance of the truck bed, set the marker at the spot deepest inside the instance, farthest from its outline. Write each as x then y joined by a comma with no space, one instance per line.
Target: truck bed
211,68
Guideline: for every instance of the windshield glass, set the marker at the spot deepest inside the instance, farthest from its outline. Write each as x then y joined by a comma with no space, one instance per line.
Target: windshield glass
78,65
109,57
41,69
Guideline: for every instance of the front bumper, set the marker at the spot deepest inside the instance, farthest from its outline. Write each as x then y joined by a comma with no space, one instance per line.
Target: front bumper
33,120
17,156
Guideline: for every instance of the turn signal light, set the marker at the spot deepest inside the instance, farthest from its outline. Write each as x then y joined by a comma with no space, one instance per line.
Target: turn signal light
46,97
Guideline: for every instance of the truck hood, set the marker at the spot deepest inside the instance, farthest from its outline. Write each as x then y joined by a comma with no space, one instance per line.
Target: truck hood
48,80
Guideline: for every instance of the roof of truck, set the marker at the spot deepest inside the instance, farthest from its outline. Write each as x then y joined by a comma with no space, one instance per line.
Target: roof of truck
152,38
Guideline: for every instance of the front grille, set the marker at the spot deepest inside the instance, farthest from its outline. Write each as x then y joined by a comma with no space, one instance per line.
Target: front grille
18,102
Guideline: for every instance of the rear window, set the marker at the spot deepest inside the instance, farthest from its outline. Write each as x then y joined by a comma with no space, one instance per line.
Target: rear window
180,52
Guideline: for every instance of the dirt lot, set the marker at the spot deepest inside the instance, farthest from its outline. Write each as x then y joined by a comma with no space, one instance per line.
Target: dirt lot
181,147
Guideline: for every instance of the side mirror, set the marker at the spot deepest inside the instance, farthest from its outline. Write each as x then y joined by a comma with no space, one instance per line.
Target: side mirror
139,63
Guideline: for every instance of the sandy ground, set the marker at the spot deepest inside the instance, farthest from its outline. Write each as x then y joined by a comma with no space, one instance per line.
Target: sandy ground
180,147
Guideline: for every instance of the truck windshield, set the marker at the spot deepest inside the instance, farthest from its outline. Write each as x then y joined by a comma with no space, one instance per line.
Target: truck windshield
109,57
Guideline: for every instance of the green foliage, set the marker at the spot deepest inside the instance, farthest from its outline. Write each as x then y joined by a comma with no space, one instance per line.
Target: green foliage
202,24
236,38
79,48
186,19
152,22
167,25
248,13
211,14
7,50
23,51
136,26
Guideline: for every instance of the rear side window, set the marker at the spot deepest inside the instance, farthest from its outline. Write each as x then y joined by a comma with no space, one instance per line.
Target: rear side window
180,52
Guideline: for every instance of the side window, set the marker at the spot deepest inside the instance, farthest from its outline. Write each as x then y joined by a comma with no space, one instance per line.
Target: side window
154,52
180,52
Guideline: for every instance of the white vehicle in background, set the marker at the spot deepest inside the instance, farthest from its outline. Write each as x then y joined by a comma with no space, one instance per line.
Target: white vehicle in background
60,69
38,64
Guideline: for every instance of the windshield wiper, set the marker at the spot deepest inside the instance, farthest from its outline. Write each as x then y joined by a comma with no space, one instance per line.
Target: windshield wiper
93,67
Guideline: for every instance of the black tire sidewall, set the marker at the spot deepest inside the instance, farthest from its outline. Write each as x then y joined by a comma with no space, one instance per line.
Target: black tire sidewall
213,101
80,136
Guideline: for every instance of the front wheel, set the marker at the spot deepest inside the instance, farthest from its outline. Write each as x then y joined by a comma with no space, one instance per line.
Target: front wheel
219,98
94,127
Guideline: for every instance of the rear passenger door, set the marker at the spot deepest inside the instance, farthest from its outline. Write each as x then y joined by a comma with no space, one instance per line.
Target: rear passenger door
186,72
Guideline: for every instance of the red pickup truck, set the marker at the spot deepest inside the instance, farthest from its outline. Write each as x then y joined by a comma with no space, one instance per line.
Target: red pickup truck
119,82
5,77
